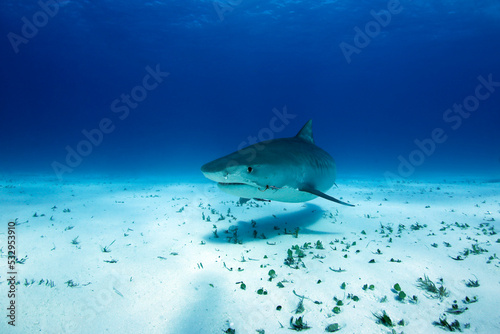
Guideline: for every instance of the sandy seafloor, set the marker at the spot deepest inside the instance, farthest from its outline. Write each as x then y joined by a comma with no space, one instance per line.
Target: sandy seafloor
168,273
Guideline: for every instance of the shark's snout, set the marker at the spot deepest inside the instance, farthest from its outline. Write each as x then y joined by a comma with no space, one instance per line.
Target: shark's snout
214,171
216,166
206,168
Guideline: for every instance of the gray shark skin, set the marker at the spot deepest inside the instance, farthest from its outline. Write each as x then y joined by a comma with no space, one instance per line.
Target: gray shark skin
287,170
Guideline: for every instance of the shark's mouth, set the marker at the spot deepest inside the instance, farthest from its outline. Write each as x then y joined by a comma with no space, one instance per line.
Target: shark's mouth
240,184
233,184
261,188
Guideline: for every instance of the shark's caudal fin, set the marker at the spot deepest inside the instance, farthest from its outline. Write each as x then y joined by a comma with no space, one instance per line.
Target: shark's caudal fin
325,196
306,133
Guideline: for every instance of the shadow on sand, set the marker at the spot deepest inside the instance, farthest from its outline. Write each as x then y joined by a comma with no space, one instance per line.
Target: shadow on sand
269,227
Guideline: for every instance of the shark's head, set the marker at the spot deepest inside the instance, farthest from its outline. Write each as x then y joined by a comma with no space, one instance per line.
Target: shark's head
241,169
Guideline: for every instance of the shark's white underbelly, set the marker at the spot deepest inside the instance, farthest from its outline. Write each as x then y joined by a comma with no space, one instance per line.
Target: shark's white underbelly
285,194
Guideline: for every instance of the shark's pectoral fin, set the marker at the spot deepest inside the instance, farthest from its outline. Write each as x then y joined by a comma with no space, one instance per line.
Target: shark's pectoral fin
321,194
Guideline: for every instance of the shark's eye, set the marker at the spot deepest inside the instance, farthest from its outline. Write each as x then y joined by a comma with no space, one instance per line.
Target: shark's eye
249,169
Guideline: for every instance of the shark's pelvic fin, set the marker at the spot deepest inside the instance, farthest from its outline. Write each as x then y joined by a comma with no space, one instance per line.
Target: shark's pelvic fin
306,133
321,194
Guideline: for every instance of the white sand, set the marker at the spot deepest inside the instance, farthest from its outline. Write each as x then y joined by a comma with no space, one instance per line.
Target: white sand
193,287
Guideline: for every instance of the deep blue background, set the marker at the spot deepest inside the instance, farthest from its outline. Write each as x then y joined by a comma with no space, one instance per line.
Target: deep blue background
228,72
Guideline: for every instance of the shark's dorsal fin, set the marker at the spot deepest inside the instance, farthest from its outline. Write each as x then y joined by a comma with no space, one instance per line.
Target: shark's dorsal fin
306,133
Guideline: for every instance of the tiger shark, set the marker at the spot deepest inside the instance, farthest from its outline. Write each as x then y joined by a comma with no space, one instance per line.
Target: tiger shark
287,170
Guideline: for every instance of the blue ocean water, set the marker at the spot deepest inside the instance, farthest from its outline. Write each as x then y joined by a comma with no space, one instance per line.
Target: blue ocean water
394,88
